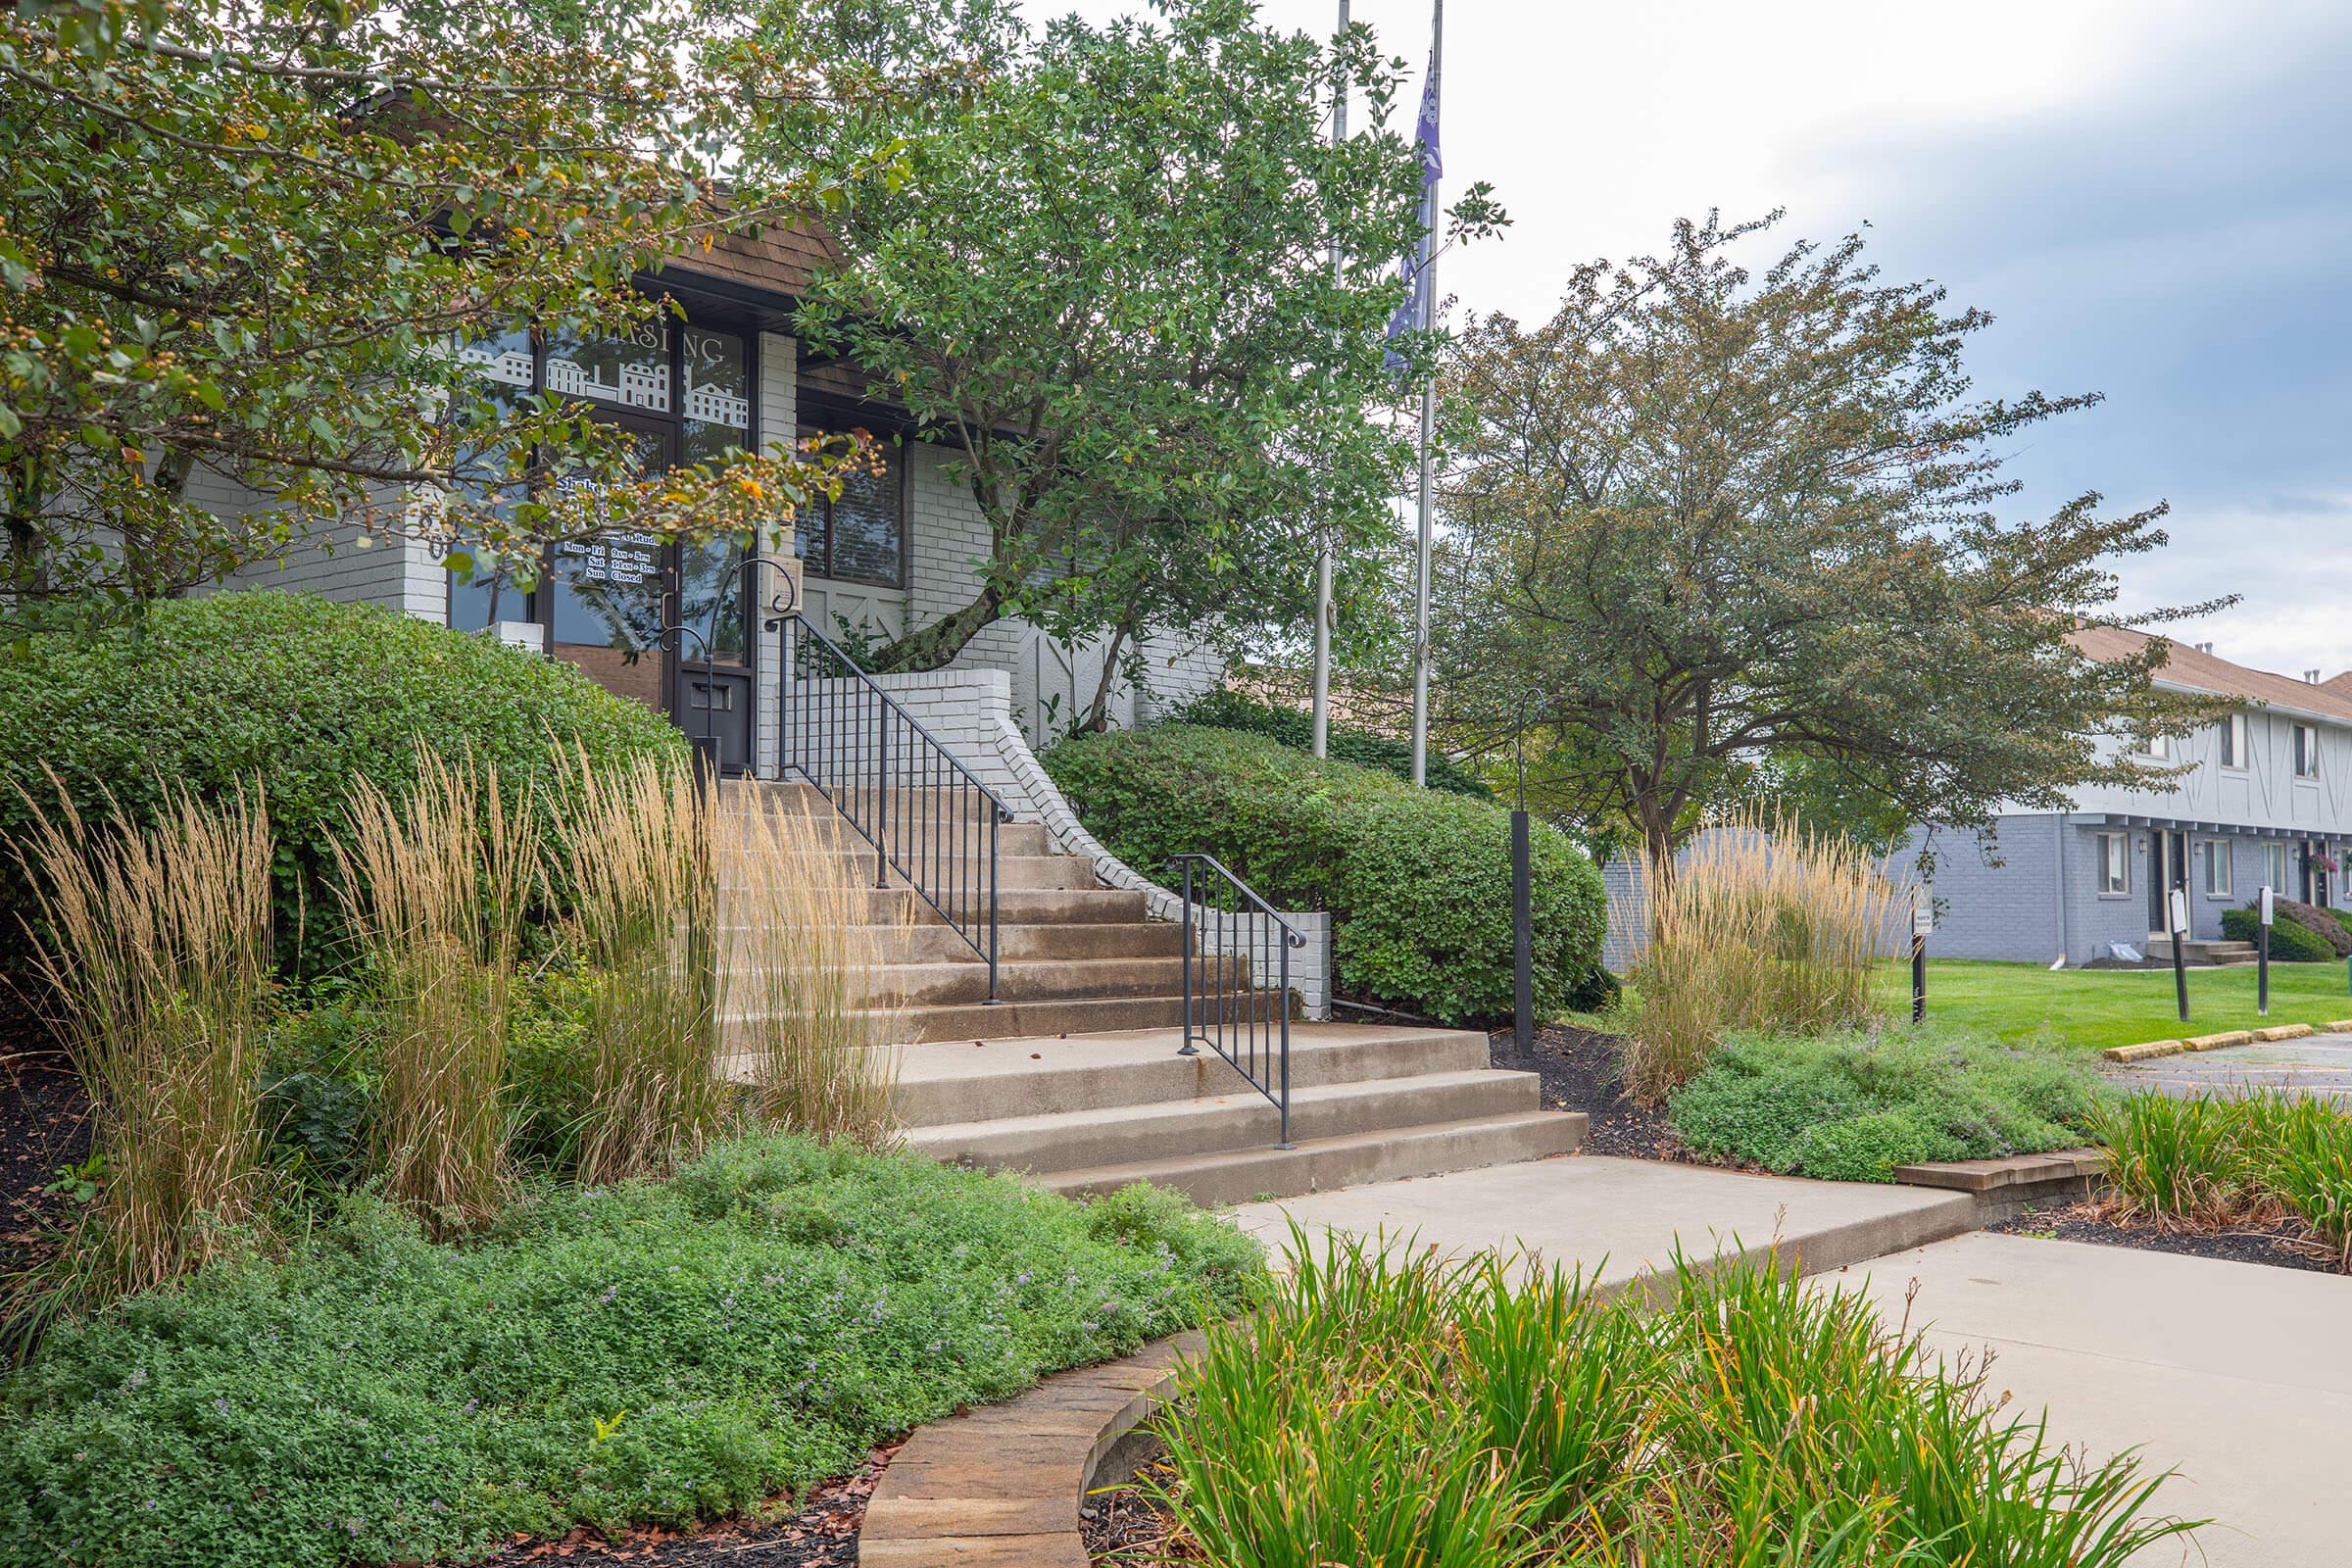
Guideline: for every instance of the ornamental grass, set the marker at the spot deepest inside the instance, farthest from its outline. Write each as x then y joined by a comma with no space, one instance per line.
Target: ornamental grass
153,948
2215,1161
434,887
1767,926
808,1031
1393,1408
635,853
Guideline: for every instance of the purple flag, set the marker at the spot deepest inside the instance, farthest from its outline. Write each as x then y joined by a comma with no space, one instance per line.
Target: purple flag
1414,269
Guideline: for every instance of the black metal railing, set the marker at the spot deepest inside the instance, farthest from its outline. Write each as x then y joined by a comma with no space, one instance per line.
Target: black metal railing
921,809
1227,929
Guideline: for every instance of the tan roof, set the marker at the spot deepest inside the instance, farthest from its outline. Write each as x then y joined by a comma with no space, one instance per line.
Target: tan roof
2201,671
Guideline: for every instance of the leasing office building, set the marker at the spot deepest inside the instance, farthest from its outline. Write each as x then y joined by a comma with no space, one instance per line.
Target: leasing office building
2264,797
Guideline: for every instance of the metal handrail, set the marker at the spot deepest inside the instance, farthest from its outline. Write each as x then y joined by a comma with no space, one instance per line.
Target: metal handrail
857,745
1228,1011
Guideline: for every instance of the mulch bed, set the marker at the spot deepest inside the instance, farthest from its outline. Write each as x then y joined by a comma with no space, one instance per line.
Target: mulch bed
1578,1068
44,1124
1124,1524
822,1532
2279,1244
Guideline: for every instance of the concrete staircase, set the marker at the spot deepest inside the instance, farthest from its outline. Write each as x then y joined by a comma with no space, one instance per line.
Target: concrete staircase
1073,1075
2211,954
1072,955
1092,1113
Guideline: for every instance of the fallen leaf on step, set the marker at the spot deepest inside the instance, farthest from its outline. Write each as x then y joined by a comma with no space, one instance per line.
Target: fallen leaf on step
1035,1055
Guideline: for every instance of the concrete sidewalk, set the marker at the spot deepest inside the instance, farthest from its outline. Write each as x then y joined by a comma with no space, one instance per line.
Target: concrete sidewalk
1629,1212
2237,1375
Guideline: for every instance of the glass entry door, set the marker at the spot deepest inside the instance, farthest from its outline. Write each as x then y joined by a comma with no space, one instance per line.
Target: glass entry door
615,604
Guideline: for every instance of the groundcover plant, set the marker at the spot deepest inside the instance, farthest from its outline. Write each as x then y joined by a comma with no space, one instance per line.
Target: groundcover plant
656,1350
1391,1408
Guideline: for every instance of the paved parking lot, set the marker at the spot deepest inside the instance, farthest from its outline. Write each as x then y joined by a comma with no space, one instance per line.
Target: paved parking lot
2318,1065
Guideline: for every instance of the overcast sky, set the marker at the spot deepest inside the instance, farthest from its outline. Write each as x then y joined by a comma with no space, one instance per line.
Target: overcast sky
2153,199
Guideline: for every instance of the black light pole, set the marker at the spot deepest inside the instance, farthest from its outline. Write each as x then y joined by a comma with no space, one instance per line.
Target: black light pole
1523,943
2262,958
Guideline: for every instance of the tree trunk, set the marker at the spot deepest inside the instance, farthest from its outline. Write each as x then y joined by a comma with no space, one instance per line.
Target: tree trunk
934,646
1095,712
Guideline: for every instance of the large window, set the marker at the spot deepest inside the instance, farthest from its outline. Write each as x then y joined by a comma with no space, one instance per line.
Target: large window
684,394
2217,868
2115,862
2307,751
2233,741
2275,867
860,537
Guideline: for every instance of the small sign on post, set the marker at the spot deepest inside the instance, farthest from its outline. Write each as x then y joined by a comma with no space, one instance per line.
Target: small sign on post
2176,910
2262,958
1922,921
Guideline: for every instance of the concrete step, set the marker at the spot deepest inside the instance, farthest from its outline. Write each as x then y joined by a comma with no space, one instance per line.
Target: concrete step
935,941
946,982
1097,906
953,1082
1012,838
1237,1176
946,805
1238,1118
1060,872
1005,1020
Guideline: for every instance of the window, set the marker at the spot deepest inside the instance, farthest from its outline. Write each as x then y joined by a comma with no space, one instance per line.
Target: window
2307,751
2217,868
860,537
2159,747
2273,868
2115,862
2233,741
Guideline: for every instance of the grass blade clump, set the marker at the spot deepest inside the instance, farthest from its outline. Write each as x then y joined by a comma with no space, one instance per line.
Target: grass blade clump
2234,1159
154,947
801,957
435,888
637,862
1767,926
1406,1410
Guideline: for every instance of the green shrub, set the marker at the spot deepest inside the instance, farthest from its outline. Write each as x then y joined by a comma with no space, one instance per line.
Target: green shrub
301,693
1419,882
2291,942
1851,1107
1402,1409
656,1351
1224,708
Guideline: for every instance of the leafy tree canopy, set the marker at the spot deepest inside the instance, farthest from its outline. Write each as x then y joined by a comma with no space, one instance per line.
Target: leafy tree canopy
1714,530
1106,286
241,236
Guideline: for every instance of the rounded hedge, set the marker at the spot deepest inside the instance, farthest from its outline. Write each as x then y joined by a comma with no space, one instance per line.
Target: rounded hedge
2291,942
1223,708
1418,881
301,693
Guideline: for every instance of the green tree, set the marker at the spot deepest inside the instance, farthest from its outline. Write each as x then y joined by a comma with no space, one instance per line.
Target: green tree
1714,530
243,235
1106,286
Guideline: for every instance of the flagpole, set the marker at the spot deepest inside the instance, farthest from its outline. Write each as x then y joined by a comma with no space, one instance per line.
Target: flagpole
1322,732
1426,282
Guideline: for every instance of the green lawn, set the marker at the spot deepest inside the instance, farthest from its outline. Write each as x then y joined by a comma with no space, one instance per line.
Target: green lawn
2100,1008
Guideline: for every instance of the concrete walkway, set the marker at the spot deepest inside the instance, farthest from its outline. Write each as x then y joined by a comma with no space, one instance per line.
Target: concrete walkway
1629,1213
2315,1064
2237,1375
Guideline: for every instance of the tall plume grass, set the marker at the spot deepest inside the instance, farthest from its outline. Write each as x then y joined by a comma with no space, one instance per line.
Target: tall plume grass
1768,925
435,888
636,859
804,1022
155,949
